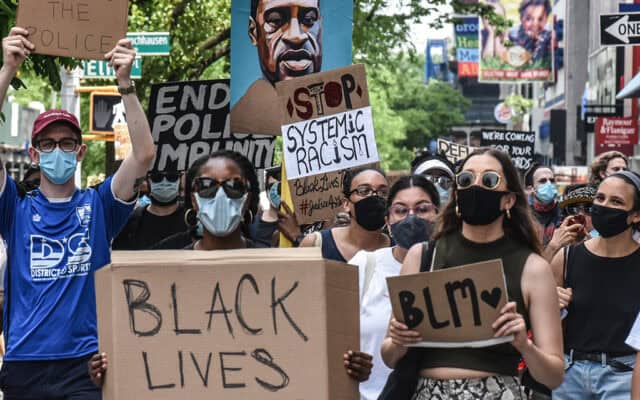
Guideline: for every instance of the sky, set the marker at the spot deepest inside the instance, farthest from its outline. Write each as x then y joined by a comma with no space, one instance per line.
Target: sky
421,32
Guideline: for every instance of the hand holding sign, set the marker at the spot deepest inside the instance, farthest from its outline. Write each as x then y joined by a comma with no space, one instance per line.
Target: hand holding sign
16,48
401,335
511,322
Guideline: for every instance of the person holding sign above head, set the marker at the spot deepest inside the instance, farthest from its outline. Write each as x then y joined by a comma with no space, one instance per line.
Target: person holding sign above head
365,190
603,275
413,206
57,237
488,218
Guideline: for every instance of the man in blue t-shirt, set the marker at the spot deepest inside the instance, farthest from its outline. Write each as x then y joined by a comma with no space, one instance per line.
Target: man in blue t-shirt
57,236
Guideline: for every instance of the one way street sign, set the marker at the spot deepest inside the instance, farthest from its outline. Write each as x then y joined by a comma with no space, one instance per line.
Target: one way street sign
620,29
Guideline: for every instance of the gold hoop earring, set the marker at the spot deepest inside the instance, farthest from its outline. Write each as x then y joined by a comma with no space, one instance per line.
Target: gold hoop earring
508,213
458,211
189,218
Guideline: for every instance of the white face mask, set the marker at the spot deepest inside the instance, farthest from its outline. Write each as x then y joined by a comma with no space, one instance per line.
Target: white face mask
164,191
220,215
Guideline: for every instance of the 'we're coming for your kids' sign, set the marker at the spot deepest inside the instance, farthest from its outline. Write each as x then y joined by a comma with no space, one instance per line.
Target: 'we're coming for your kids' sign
327,122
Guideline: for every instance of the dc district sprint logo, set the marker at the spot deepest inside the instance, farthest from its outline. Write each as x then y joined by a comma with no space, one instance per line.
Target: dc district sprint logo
48,255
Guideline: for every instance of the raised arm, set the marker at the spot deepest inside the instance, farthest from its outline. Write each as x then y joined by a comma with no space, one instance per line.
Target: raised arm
134,168
15,48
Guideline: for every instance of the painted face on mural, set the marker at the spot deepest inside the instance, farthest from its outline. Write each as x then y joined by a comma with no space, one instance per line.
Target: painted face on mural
288,35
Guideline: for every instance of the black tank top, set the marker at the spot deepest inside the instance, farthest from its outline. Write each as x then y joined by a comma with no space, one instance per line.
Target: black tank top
605,301
454,250
329,248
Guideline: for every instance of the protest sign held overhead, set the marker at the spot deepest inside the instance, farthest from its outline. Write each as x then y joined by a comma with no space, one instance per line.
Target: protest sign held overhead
454,151
452,307
260,57
519,145
74,28
191,119
244,324
327,123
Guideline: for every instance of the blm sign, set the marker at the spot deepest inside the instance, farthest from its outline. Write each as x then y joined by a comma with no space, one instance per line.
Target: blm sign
191,119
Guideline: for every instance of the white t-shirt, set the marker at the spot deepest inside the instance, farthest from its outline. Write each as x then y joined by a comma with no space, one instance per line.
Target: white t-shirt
375,312
634,336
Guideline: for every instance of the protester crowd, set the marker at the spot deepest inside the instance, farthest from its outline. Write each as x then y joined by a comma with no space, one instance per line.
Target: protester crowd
570,261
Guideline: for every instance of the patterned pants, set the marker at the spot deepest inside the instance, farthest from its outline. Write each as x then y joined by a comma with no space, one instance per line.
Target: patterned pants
489,388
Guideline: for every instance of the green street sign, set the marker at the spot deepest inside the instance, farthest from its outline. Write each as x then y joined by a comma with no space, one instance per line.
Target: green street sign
150,43
98,69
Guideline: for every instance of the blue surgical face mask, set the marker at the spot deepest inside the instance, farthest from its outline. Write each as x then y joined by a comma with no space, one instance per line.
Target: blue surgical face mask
546,193
274,195
444,195
220,215
164,191
58,166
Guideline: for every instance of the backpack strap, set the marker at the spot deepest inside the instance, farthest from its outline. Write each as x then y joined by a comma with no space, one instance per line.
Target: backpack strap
369,269
428,255
565,265
318,241
136,222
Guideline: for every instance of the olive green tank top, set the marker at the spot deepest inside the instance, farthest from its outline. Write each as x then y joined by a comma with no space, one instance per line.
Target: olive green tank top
454,250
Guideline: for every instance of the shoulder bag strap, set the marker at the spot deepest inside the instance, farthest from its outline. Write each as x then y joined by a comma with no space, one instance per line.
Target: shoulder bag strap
318,241
369,269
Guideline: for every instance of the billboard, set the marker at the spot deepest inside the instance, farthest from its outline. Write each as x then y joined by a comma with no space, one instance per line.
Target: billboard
522,53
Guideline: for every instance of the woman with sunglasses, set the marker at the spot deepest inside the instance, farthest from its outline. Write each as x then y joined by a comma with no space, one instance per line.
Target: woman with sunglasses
487,218
224,198
603,274
413,205
365,191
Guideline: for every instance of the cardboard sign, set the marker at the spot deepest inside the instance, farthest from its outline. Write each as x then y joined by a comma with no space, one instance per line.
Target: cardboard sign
328,125
519,145
454,151
619,134
452,307
317,198
250,324
85,29
191,119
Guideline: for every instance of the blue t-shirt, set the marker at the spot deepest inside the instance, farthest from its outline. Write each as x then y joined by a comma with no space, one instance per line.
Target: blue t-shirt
53,249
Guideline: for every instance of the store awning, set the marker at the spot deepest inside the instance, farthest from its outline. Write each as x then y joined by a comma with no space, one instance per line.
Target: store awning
631,89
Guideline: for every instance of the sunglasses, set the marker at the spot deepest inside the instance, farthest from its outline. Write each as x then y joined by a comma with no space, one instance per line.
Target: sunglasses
207,188
443,181
489,179
157,177
574,210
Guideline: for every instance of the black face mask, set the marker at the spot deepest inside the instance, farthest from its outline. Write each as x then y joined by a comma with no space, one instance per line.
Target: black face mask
410,231
370,212
609,221
479,206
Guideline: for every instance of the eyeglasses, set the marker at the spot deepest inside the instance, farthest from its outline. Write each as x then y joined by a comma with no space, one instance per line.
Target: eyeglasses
543,181
367,191
208,187
421,210
489,179
575,210
443,181
68,145
157,177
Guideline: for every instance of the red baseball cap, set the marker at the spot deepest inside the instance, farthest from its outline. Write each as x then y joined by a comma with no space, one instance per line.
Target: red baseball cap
48,117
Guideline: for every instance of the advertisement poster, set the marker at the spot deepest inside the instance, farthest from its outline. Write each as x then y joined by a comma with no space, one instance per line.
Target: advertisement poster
618,133
269,45
522,53
467,47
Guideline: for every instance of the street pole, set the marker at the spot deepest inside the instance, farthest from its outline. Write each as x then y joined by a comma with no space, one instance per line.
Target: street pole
71,102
